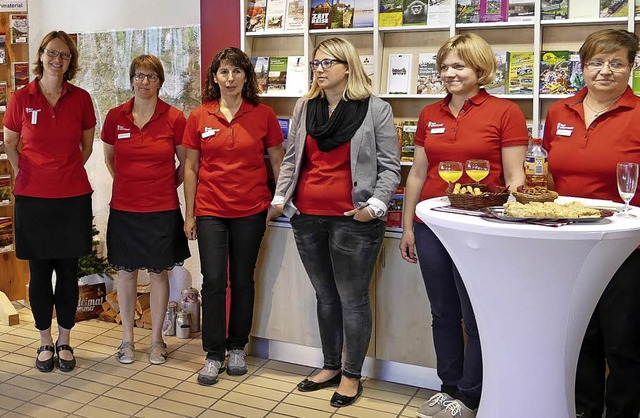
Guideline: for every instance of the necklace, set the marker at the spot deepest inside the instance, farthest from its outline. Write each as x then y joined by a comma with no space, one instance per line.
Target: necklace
49,93
597,113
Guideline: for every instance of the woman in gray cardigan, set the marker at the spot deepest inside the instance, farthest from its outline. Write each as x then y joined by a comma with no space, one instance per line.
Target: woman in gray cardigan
340,169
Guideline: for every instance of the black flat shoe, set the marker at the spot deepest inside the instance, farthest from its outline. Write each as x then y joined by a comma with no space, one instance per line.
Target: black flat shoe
65,365
308,386
45,365
338,400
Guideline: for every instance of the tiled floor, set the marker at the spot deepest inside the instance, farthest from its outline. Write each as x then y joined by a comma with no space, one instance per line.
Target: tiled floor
102,387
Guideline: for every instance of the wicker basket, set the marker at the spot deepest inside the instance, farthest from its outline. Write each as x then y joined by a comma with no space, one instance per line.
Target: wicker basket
549,196
491,196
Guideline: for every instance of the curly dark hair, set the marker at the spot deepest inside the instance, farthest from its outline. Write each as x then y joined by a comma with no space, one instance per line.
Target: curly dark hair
236,57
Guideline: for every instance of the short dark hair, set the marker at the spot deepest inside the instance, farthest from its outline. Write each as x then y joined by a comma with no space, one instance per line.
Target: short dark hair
147,61
239,59
609,40
73,68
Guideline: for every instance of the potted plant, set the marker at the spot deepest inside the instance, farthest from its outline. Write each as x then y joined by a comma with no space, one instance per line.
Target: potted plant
94,281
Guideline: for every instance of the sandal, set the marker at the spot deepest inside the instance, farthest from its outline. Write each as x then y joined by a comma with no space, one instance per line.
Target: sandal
125,353
158,352
65,365
45,365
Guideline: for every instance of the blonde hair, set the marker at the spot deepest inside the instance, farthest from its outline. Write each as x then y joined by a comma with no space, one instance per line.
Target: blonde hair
474,51
358,83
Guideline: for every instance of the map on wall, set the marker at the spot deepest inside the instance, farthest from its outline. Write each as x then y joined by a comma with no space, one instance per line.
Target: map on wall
105,57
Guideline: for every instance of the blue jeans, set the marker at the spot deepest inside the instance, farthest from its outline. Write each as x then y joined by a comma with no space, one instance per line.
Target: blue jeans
459,369
339,255
231,243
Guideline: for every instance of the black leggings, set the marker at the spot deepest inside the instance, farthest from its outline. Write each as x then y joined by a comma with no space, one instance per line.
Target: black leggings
42,296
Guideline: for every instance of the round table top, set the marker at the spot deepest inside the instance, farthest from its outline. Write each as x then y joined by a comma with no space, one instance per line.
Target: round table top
492,226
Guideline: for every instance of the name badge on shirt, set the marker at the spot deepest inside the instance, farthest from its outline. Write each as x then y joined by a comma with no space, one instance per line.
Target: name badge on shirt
564,130
126,135
209,132
437,131
34,115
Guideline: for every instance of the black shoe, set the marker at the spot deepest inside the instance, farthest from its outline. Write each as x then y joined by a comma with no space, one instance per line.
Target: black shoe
65,365
45,365
338,400
308,386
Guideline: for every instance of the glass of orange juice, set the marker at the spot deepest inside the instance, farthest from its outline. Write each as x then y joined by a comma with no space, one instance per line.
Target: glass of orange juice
477,169
450,171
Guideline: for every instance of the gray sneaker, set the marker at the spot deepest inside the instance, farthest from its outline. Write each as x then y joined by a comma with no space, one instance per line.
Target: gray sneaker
125,354
237,364
209,373
456,409
435,404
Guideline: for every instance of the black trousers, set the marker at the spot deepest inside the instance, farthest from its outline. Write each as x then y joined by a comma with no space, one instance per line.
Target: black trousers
228,245
613,339
43,298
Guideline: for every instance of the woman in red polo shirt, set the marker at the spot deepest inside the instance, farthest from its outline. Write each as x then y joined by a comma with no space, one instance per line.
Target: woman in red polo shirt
48,133
142,139
586,136
468,123
226,199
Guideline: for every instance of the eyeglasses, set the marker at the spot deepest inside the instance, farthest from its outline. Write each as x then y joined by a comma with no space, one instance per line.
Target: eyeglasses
141,76
53,54
325,63
614,66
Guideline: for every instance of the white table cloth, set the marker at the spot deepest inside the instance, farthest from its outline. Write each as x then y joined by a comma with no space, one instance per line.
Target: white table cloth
533,289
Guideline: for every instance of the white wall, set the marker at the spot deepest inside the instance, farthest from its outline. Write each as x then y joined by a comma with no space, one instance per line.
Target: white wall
76,16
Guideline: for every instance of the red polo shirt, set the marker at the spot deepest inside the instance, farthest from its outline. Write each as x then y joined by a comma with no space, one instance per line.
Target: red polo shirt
50,160
324,187
232,176
144,159
484,126
583,160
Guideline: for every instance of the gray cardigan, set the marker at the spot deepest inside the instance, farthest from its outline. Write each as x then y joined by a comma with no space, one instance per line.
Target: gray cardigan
375,157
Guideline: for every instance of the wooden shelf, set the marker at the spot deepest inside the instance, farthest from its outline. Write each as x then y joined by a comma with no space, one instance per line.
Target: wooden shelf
14,273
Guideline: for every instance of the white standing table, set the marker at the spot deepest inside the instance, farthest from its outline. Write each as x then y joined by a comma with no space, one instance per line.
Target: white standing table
533,289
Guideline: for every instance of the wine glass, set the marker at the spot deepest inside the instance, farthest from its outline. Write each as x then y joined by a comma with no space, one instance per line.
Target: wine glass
477,169
627,175
450,171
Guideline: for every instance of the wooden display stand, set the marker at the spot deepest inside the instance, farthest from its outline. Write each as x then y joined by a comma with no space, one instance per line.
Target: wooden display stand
14,273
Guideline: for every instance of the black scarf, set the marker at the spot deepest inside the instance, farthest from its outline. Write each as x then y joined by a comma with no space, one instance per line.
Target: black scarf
331,132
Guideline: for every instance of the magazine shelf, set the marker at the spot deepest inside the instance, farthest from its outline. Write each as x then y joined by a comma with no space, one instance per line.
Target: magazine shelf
412,96
495,25
411,29
585,21
382,44
518,96
340,32
279,33
14,273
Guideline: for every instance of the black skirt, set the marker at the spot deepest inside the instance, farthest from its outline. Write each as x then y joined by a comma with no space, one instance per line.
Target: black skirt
153,241
52,228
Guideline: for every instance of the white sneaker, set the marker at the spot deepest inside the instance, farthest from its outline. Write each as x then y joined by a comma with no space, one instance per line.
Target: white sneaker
456,409
435,404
